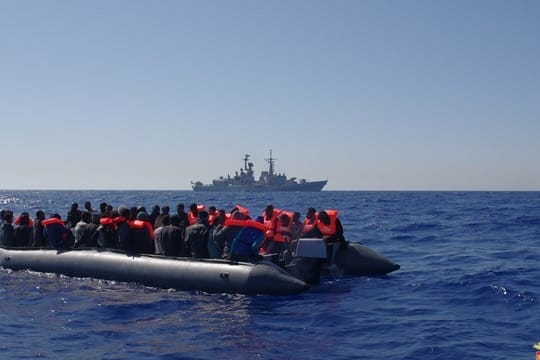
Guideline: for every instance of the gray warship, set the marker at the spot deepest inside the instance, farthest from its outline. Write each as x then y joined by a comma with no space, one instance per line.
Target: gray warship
244,181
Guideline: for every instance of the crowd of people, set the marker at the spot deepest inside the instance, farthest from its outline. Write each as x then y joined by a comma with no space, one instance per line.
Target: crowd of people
199,232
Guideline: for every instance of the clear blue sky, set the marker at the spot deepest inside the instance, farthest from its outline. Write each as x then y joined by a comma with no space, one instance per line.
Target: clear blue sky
371,95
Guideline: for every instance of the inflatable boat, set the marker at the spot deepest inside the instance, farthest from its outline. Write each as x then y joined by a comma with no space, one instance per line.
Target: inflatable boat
274,275
213,276
311,258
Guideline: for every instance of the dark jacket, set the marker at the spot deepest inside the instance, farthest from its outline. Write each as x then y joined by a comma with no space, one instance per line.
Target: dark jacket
196,239
172,241
7,235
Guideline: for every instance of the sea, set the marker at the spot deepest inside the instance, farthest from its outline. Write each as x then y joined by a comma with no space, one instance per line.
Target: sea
468,287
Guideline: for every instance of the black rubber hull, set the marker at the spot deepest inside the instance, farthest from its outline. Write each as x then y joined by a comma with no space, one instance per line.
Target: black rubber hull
359,260
213,276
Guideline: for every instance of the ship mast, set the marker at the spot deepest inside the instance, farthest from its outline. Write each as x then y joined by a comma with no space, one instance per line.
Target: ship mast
270,162
246,158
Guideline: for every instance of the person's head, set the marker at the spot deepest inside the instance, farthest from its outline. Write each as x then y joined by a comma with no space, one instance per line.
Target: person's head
212,210
56,216
142,216
193,208
324,218
310,213
24,220
237,215
103,207
296,216
8,217
269,210
88,205
165,210
74,206
180,208
40,215
203,216
86,216
284,219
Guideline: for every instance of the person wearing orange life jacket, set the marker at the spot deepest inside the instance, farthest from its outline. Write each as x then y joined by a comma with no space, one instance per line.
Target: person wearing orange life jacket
107,232
141,235
282,234
57,233
329,228
122,227
193,213
269,215
310,221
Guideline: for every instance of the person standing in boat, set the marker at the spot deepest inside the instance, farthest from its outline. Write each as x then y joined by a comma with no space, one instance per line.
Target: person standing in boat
39,238
310,221
141,235
85,231
24,232
73,215
168,238
196,237
7,232
122,227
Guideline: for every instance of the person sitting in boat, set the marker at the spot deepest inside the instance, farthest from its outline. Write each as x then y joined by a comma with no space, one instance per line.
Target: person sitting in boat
246,243
7,232
329,229
57,233
196,237
281,239
310,221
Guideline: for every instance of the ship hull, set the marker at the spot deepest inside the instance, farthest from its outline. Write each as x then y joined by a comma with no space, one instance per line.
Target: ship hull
307,186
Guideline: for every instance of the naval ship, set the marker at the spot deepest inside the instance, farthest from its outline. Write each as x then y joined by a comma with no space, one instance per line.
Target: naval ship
244,181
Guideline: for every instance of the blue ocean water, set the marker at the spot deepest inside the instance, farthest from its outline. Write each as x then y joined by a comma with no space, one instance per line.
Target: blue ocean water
467,288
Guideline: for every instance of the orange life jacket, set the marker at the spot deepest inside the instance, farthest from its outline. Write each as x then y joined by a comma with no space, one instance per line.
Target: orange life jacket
52,221
242,209
328,229
308,224
282,233
18,221
106,221
243,223
141,224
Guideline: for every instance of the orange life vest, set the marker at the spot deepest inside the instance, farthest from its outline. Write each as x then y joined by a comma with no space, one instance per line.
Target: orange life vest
141,224
308,224
282,233
249,223
328,229
106,221
52,221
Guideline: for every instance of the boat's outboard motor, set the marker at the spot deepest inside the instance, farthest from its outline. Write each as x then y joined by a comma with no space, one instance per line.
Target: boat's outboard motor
307,261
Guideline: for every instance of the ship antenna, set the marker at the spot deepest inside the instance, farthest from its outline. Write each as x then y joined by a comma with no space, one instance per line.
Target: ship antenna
270,162
246,158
